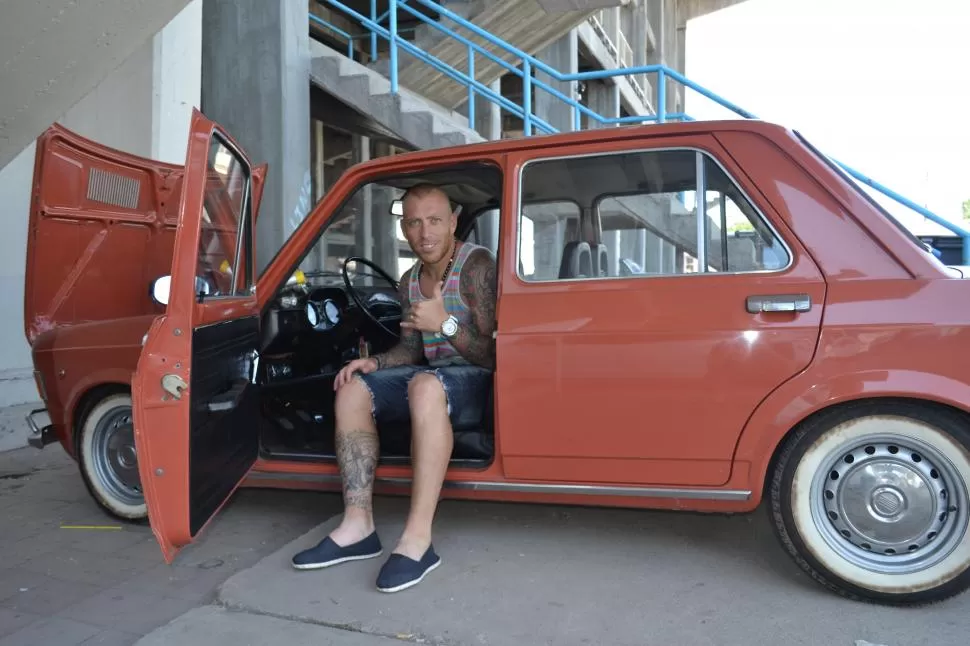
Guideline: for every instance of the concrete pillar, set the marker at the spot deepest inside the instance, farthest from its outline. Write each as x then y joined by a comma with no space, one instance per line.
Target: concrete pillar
602,98
384,226
177,74
318,153
255,83
488,114
495,113
640,44
563,56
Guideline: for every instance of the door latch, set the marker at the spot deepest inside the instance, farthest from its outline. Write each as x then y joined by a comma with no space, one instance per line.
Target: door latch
174,385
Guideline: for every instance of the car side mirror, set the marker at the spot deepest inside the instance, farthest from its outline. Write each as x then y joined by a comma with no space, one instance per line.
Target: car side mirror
160,289
397,208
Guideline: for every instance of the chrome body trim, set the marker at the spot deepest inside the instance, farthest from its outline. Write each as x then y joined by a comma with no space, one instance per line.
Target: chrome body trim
538,488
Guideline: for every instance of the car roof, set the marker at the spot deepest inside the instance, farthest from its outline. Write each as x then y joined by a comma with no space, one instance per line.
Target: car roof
579,137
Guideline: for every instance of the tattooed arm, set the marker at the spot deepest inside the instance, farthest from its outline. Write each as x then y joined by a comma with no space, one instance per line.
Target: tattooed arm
479,288
409,348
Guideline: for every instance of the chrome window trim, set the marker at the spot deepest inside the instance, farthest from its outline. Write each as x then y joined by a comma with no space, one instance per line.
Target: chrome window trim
248,290
699,202
637,151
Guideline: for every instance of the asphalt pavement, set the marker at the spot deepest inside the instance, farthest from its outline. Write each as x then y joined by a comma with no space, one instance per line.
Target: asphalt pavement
511,574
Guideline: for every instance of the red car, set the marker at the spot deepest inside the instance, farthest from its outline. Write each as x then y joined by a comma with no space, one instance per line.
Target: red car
795,345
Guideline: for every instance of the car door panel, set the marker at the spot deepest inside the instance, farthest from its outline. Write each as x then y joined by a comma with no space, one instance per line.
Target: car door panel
223,441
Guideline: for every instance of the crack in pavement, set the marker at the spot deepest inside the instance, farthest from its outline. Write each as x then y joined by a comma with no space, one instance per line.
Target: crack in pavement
355,627
17,475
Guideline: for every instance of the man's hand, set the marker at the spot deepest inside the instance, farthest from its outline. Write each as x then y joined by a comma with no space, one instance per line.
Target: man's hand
428,315
346,373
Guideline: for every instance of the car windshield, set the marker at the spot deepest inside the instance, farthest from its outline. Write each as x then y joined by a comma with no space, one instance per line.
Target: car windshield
363,226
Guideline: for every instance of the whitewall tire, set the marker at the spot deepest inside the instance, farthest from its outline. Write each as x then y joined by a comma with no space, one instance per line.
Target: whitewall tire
872,499
108,461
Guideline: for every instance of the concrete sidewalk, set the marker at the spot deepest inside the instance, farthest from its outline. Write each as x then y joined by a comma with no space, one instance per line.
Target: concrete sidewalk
517,574
216,626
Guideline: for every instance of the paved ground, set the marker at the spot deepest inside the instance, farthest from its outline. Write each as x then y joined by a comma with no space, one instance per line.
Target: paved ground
13,427
512,574
72,586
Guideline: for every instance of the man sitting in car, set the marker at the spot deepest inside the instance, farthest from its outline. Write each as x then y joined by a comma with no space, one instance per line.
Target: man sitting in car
448,316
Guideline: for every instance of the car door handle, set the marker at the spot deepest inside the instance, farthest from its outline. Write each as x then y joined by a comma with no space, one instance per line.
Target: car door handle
229,399
779,303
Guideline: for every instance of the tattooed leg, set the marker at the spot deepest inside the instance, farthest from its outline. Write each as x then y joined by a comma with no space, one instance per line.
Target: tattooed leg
357,453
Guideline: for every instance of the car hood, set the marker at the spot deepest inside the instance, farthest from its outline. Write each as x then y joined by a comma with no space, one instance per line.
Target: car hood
102,227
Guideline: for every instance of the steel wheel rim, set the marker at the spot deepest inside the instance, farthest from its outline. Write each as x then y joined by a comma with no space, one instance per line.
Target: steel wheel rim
115,458
890,504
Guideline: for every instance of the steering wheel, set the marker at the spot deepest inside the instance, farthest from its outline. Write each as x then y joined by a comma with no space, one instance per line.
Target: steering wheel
355,295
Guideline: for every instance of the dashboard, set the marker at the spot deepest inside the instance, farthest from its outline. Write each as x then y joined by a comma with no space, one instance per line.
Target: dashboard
313,330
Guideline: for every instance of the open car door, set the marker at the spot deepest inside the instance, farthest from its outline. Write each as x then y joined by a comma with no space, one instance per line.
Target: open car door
195,406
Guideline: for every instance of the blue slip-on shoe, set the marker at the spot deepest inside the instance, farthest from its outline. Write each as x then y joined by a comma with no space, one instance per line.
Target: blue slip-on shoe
327,553
401,572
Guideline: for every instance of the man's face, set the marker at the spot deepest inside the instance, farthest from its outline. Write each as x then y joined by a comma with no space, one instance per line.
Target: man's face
429,225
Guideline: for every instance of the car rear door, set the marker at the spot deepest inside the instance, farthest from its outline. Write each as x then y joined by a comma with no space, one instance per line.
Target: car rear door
642,368
195,406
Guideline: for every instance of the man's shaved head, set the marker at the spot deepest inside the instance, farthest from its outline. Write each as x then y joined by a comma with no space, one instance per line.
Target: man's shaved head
425,190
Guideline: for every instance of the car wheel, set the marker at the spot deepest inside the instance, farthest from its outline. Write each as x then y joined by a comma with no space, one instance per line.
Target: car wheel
108,460
871,499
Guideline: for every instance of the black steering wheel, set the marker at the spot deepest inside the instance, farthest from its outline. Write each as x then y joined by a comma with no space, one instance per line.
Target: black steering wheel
360,302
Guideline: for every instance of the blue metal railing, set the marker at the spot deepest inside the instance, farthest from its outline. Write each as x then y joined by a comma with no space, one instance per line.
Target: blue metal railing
524,65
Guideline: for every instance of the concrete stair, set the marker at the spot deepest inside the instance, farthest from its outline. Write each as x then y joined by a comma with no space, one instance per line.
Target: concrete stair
524,24
410,117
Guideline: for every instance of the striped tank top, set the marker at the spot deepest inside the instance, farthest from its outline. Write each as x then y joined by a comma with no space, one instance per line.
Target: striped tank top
437,348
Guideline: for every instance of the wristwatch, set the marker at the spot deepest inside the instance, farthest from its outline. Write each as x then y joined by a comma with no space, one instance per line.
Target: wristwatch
450,327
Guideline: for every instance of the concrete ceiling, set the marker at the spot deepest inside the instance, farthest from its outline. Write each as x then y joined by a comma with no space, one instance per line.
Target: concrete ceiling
687,9
53,52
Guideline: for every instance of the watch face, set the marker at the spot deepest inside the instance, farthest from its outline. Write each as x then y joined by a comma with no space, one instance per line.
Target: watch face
450,326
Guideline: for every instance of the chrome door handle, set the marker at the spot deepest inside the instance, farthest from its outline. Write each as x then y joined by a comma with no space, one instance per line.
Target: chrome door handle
779,303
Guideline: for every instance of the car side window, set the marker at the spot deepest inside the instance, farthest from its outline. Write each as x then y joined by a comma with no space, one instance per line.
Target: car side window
225,239
635,214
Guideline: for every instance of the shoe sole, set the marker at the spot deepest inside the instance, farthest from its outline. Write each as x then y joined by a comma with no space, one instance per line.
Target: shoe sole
405,586
343,559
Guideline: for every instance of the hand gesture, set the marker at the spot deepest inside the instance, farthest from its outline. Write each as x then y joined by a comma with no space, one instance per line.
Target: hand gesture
357,365
428,315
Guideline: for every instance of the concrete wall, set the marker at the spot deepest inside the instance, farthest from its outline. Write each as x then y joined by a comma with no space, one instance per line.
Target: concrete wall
54,52
144,108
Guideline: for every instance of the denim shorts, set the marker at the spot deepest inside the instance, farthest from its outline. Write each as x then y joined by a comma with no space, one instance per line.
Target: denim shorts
466,391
